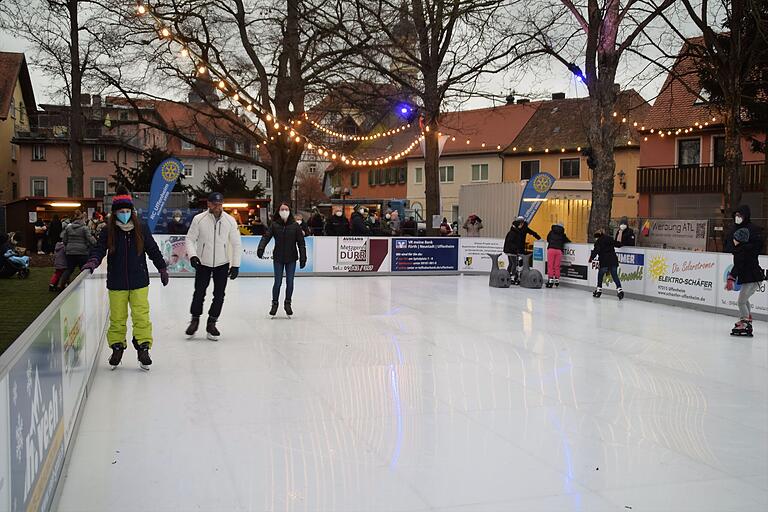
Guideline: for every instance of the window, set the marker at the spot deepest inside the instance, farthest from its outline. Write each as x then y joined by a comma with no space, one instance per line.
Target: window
569,167
255,152
355,179
371,177
480,172
99,188
688,152
123,116
239,148
529,168
254,175
269,196
446,174
219,169
268,181
312,168
381,178
419,175
392,176
39,187
38,152
187,145
99,153
704,97
718,144
189,170
239,171
221,144
403,175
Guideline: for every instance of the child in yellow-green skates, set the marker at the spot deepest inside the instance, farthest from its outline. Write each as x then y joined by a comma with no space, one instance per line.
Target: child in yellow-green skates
126,242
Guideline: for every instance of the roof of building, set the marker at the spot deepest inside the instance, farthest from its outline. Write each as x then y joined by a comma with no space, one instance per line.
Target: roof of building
678,103
13,67
562,124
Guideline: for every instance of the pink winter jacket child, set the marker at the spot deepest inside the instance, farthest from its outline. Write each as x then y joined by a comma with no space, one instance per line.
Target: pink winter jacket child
59,257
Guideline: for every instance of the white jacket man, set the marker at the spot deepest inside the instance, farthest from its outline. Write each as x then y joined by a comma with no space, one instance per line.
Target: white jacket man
214,249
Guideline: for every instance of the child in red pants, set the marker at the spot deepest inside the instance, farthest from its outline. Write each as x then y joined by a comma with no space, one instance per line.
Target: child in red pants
59,265
556,240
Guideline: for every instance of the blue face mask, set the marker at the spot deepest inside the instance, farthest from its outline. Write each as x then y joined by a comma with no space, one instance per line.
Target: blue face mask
123,217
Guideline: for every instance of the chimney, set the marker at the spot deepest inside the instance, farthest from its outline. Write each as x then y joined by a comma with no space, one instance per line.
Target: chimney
85,100
96,100
511,99
558,95
523,100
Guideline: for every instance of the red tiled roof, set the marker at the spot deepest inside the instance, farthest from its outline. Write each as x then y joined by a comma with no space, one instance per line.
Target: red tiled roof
13,66
677,104
562,123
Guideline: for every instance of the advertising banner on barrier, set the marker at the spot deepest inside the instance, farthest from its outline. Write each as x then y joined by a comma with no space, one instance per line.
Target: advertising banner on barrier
72,334
684,276
631,270
351,254
473,253
252,263
728,299
174,251
5,447
575,264
688,235
37,421
425,254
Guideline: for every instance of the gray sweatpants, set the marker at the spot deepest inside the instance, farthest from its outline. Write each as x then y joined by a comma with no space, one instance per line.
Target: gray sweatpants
747,290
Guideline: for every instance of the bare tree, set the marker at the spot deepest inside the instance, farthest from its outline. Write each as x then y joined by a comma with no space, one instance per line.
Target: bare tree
432,51
63,37
590,39
265,58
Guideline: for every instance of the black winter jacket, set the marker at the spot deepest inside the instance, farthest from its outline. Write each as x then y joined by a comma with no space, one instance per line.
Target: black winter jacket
337,226
556,239
755,233
605,251
746,267
514,242
127,270
359,226
627,237
289,242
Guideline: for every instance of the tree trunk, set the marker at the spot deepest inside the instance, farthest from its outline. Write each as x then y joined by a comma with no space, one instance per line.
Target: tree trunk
432,175
732,163
76,111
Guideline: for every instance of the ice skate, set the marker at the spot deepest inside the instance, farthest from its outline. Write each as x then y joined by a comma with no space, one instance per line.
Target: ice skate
620,293
193,325
287,307
550,282
557,282
117,355
211,330
142,352
742,328
273,309
597,293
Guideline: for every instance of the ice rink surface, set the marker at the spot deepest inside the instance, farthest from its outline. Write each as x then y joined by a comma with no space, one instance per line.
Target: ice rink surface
428,393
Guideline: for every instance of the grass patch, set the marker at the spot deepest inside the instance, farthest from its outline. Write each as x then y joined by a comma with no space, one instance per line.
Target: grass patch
21,301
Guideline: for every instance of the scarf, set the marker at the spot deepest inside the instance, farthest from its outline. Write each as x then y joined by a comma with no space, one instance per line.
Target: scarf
128,226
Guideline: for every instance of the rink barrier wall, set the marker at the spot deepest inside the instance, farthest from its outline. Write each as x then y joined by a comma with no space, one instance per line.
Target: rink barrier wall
45,376
691,279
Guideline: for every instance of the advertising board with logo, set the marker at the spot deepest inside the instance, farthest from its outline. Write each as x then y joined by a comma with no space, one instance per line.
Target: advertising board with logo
250,261
473,253
36,421
5,470
352,254
425,254
727,299
689,235
575,264
73,339
174,250
631,270
683,276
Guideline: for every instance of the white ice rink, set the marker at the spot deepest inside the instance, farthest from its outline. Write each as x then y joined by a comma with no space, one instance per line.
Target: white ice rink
428,393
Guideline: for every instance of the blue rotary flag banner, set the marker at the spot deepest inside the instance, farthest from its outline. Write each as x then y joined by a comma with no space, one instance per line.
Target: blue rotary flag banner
163,182
534,194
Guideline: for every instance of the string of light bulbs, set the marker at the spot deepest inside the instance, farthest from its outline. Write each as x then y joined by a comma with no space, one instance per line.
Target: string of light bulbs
283,128
357,138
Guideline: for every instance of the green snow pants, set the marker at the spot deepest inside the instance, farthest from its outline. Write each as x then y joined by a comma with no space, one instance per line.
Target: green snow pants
118,316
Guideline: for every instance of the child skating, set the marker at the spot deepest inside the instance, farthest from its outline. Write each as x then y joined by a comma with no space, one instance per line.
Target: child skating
605,252
59,266
747,274
556,240
126,242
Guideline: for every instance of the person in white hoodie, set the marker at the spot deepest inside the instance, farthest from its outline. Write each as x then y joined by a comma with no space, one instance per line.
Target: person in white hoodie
214,249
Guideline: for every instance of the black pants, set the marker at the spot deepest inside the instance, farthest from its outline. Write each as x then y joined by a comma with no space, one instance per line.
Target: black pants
73,260
202,278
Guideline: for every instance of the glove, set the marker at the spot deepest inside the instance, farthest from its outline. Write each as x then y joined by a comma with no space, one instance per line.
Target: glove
194,261
260,254
234,272
164,276
730,283
91,265
302,263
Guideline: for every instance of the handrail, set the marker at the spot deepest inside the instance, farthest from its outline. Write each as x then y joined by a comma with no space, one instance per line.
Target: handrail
14,352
